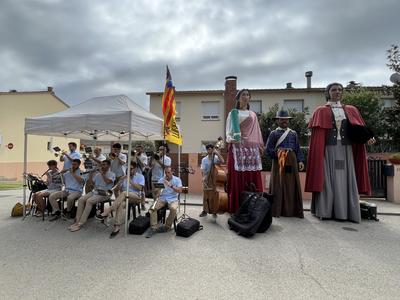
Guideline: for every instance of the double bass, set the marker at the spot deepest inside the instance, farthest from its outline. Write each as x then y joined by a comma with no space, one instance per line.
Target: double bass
215,196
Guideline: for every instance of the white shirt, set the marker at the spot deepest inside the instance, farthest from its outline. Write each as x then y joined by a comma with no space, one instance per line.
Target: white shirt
339,115
67,162
101,157
206,164
157,172
168,194
137,179
143,159
100,184
71,184
116,167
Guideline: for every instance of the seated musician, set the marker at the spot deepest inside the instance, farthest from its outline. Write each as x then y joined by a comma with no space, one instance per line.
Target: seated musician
205,170
168,197
103,181
73,183
118,163
54,184
141,160
98,157
136,184
67,158
95,160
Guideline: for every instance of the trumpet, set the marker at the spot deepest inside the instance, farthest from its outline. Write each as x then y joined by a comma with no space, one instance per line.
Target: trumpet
112,155
60,152
89,171
111,191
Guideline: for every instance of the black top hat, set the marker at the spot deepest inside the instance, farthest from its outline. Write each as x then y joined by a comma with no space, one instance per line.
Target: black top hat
282,114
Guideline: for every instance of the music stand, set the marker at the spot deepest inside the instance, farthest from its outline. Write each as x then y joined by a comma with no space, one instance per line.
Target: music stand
185,191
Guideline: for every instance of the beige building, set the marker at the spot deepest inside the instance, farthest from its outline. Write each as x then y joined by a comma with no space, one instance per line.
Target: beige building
202,114
15,107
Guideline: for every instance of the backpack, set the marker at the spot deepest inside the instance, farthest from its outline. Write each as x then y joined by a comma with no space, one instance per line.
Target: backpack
17,210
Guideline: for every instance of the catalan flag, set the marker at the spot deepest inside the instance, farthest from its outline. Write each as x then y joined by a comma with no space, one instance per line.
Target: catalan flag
171,130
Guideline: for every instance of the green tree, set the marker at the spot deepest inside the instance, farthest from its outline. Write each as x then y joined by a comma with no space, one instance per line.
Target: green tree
147,145
370,105
298,123
392,114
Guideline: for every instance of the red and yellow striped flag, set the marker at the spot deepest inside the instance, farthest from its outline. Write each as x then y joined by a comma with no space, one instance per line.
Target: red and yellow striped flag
171,130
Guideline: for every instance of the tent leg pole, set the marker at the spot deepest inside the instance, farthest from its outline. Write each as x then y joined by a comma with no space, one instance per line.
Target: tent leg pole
127,181
24,175
179,170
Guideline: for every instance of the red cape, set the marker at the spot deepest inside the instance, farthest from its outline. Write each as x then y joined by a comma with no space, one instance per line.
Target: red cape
320,123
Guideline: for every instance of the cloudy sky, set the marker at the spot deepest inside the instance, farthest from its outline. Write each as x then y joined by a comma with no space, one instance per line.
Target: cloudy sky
92,48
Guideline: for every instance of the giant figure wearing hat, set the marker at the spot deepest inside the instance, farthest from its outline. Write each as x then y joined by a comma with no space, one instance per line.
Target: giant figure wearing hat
287,159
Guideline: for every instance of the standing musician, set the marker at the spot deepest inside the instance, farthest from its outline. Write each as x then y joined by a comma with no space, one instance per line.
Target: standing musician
159,163
168,197
206,164
54,184
220,145
73,182
287,159
97,158
118,163
140,158
136,184
67,158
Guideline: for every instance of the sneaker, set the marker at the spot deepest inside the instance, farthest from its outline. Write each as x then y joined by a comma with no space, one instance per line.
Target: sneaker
150,233
100,217
203,214
55,217
163,229
75,228
114,234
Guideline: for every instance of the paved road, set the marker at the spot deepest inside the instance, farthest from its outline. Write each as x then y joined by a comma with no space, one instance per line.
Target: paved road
295,259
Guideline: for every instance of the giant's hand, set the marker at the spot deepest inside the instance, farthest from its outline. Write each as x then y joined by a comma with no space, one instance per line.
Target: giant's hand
371,141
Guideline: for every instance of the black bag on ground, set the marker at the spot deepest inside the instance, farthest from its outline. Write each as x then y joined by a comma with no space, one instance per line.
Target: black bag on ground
139,225
369,211
253,215
187,227
267,221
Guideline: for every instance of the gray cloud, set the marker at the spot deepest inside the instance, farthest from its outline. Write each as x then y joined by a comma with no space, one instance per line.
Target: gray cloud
91,48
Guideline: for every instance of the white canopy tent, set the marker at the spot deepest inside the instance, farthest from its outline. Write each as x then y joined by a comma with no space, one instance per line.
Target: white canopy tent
109,118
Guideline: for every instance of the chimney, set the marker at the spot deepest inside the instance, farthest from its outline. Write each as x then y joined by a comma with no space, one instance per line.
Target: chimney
289,85
50,89
229,94
308,76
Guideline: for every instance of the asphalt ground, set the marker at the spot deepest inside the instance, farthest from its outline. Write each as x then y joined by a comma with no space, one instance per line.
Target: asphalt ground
295,259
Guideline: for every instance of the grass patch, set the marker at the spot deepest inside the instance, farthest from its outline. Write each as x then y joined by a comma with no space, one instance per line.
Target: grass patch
10,185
